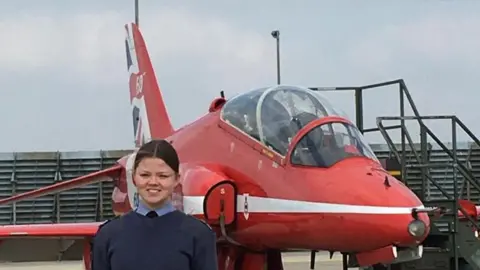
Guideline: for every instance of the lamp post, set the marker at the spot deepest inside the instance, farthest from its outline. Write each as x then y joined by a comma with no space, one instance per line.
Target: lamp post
136,12
276,36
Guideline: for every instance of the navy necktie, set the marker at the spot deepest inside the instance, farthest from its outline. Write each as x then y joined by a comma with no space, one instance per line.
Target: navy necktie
152,214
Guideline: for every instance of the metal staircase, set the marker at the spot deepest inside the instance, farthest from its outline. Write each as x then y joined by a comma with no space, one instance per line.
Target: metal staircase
440,174
457,183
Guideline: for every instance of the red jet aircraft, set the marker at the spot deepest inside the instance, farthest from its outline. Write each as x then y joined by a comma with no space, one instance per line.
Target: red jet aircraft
274,169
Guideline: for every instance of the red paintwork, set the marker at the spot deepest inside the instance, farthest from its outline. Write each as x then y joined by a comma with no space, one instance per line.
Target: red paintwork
156,114
87,255
50,230
104,175
212,151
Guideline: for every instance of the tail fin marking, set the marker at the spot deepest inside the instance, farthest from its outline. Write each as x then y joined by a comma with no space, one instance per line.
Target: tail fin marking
150,117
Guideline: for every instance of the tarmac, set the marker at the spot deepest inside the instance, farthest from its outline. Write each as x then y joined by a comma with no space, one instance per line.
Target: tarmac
292,261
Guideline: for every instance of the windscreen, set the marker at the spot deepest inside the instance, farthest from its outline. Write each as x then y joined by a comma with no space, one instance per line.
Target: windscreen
284,110
329,143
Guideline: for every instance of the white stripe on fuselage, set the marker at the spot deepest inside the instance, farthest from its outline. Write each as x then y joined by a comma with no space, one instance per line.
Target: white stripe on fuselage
194,205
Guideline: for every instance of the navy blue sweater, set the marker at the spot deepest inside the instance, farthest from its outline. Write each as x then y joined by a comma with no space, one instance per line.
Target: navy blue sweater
174,241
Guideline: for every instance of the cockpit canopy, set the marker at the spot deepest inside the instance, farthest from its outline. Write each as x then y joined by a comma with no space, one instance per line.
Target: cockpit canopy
328,143
275,115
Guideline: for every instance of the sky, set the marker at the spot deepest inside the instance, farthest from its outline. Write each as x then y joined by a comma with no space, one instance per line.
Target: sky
64,82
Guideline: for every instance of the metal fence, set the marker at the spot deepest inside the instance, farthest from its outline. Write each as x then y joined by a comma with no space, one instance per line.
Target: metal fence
468,153
20,172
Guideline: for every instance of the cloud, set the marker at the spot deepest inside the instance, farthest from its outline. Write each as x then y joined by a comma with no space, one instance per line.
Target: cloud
436,54
233,53
66,66
434,38
442,38
89,44
68,70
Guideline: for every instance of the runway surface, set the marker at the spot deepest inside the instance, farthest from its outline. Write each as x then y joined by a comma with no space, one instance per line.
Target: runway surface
292,261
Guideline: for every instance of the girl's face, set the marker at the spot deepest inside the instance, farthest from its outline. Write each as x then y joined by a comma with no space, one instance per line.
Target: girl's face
155,181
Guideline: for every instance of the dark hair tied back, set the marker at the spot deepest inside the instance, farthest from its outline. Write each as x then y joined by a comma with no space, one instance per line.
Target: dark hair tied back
158,149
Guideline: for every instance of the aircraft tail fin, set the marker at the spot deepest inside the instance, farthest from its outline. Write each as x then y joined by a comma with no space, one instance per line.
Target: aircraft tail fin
150,116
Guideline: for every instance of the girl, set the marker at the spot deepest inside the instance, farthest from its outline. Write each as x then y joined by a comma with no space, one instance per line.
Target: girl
155,235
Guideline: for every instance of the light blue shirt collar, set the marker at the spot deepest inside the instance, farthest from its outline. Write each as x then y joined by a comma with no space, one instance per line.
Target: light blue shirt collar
165,209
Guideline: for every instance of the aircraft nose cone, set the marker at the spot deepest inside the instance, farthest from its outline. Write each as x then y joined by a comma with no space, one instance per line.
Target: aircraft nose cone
413,227
402,228
411,231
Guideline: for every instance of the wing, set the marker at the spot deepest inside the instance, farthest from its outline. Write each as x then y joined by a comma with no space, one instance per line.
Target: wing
100,176
62,229
50,230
